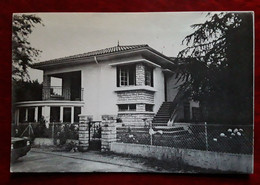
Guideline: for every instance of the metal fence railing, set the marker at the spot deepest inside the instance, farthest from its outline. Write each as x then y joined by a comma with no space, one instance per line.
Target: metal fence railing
61,93
209,137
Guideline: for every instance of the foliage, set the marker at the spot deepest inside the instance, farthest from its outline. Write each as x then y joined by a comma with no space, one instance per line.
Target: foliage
217,67
23,54
26,90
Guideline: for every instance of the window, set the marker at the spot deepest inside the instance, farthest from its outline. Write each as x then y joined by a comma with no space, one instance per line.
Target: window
127,107
149,107
148,76
125,75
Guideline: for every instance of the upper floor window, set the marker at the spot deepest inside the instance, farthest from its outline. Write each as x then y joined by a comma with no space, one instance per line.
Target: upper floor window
149,76
126,75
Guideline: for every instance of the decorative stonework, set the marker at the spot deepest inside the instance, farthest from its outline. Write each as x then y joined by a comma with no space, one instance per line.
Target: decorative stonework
136,96
140,107
140,74
135,119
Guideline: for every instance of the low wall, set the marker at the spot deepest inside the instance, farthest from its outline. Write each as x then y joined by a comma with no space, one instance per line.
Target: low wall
204,159
43,142
49,141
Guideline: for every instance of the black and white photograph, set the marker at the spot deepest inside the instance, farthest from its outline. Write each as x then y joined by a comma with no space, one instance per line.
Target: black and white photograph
153,92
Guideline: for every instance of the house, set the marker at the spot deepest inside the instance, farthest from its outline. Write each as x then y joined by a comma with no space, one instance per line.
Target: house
133,82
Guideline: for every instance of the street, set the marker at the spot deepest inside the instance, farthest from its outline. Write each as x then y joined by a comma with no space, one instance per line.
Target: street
38,160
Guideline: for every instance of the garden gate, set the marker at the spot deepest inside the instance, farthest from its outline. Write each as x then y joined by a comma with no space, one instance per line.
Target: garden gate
95,135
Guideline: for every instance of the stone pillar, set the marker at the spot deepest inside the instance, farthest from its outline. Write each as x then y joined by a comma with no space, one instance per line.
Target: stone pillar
84,132
108,133
140,107
46,92
140,74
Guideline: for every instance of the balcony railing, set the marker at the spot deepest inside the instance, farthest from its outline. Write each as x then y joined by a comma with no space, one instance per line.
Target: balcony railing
60,93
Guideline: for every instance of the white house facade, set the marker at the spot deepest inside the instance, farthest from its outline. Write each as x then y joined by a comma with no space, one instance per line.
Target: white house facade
134,83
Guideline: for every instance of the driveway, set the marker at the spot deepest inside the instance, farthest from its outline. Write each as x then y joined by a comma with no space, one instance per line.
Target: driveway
39,160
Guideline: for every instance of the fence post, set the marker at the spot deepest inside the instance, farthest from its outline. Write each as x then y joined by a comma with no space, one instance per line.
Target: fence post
108,133
52,132
206,137
84,132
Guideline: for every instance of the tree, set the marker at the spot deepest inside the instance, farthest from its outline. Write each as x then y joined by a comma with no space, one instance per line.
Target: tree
23,54
26,91
217,67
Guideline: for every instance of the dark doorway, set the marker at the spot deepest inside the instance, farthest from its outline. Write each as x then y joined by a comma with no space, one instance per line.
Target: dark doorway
55,114
75,86
67,114
95,136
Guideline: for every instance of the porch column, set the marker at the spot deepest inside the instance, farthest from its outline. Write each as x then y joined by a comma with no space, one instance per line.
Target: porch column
36,114
61,113
26,114
72,114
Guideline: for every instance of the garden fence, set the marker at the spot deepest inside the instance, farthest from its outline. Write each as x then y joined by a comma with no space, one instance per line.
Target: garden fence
55,130
199,136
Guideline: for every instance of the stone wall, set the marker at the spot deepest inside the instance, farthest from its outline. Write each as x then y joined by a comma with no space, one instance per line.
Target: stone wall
135,96
226,162
135,119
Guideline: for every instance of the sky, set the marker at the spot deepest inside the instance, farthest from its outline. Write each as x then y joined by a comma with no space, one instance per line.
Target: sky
65,34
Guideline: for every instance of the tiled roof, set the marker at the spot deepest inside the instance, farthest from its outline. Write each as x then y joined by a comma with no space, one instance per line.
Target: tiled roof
93,53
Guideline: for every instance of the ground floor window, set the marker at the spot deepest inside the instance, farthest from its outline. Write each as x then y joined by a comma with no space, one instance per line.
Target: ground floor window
127,107
149,107
31,112
22,115
39,113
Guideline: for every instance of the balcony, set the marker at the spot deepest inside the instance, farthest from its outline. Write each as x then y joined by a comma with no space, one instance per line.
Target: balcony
60,93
